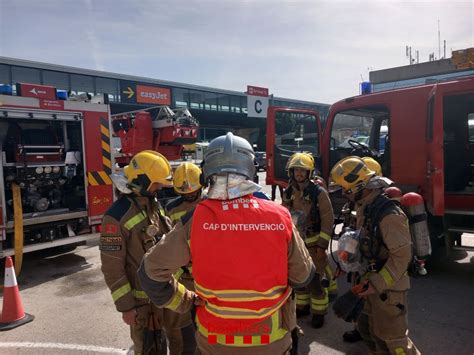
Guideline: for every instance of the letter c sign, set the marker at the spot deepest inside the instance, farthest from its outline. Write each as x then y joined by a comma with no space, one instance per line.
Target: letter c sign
258,106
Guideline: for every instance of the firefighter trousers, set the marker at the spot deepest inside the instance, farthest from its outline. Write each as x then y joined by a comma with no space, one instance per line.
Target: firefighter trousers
383,324
181,341
329,272
314,295
137,332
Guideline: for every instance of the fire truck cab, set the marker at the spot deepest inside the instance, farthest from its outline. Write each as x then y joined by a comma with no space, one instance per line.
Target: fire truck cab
55,161
422,137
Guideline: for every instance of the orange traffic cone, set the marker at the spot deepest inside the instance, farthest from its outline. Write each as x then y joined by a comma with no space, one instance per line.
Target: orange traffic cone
13,314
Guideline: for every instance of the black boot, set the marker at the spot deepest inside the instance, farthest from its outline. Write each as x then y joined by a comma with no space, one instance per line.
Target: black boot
317,321
301,312
352,336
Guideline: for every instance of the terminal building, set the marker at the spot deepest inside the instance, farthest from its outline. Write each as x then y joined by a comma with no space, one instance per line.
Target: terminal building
461,64
217,110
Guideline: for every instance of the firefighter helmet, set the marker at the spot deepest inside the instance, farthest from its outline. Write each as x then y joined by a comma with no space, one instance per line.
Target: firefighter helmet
146,168
352,174
373,165
229,154
302,161
186,178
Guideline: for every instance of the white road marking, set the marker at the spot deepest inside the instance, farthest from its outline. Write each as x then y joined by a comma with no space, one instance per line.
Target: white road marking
78,347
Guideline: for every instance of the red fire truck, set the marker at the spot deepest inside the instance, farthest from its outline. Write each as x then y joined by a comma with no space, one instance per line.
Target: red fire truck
54,170
422,136
158,128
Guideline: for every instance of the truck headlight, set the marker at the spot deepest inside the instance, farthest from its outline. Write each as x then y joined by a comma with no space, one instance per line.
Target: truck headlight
39,170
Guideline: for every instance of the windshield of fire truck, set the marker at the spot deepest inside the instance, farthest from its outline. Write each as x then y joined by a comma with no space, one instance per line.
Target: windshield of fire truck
363,126
294,132
361,132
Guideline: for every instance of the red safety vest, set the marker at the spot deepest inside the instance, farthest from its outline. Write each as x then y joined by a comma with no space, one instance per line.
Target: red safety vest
239,250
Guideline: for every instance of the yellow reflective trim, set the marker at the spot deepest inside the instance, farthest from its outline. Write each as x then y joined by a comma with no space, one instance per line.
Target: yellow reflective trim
173,305
175,216
121,291
313,239
302,302
325,236
332,286
400,351
386,277
329,273
302,296
132,222
319,307
320,302
244,313
178,274
276,334
241,295
139,294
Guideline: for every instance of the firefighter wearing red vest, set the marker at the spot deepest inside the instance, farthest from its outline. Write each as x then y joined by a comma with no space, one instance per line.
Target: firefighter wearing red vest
310,205
385,247
132,225
246,256
186,184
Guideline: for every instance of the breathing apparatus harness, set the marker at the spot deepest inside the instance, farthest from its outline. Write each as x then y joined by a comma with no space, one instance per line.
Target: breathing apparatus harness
310,194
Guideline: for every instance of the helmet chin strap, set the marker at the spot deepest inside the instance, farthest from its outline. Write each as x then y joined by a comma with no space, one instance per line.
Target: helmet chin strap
139,190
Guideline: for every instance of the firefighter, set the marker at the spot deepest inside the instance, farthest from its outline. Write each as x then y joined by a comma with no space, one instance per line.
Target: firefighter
329,272
131,226
310,202
180,329
186,184
246,255
353,336
385,246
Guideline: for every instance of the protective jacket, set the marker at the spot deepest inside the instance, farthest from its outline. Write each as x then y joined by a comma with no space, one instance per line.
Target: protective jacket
125,238
178,207
385,243
313,201
246,253
387,246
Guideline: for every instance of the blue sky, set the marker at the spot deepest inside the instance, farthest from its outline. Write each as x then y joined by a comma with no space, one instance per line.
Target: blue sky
309,50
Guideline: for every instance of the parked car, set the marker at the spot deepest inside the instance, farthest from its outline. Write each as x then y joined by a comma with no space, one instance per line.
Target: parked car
261,158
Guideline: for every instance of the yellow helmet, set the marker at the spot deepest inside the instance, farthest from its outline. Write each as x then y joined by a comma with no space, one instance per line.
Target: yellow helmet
373,165
146,168
302,161
186,178
351,173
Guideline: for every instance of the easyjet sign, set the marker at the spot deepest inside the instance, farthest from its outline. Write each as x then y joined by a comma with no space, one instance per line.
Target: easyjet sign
153,95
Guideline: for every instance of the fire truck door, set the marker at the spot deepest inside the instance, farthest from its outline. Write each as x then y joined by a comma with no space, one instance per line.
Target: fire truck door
290,131
435,157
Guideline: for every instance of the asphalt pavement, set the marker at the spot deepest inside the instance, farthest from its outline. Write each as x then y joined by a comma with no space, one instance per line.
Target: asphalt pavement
74,313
